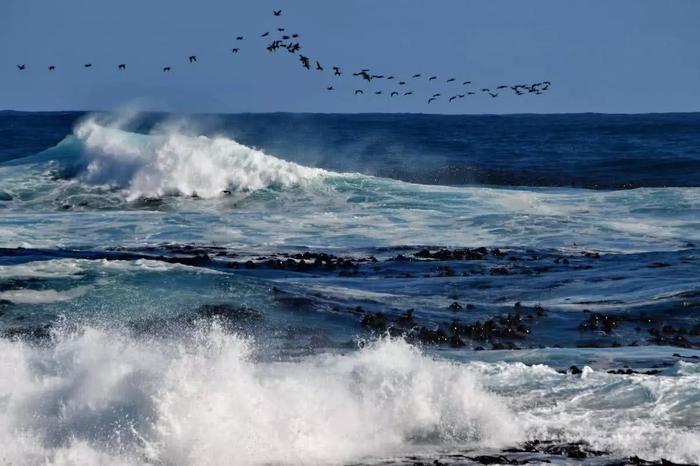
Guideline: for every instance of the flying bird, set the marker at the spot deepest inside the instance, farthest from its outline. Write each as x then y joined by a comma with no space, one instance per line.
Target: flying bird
417,75
21,67
235,50
337,71
280,29
452,98
432,78
359,91
88,65
378,92
408,93
265,34
431,99
193,58
466,82
394,93
277,12
166,69
305,62
52,67
450,80
239,38
402,83
493,94
330,88
318,66
122,66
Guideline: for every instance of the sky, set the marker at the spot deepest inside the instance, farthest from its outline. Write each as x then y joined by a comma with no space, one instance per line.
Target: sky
610,56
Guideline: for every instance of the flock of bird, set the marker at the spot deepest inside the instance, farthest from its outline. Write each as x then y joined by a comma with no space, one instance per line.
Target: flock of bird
400,87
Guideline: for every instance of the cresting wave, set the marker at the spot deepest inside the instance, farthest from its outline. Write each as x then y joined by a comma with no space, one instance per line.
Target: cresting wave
168,162
99,397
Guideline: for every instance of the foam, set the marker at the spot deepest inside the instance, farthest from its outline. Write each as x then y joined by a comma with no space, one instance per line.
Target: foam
99,397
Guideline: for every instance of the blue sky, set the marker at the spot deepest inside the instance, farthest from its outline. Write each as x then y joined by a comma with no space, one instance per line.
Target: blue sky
626,56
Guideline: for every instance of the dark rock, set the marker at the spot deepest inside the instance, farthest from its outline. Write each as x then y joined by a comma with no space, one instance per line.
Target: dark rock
374,322
455,306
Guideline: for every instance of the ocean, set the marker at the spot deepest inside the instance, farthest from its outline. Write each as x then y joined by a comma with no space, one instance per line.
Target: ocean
349,289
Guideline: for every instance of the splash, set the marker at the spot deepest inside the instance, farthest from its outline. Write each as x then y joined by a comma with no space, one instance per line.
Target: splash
106,398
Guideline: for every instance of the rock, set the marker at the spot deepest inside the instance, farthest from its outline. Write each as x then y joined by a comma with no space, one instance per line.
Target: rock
375,322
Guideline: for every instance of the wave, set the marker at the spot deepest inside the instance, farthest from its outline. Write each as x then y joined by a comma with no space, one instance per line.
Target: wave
101,397
168,161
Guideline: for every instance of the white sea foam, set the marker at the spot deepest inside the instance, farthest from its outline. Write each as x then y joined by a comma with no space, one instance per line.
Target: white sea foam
28,296
171,162
102,398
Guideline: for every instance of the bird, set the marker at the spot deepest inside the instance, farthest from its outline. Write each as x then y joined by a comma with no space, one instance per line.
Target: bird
286,37
431,99
452,98
377,76
432,78
265,34
88,65
280,29
390,77
393,93
193,58
417,75
437,95
304,61
450,80
359,91
52,67
408,93
365,75
378,92
336,71
402,83
330,88
471,93
121,66
294,36
466,82
493,94
165,69
503,86
235,50
239,38
277,12
21,67
486,89
318,66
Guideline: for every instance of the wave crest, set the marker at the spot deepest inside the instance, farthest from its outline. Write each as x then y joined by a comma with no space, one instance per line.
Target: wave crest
173,163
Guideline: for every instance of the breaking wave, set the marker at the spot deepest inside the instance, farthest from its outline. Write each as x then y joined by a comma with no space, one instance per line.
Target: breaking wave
170,162
101,397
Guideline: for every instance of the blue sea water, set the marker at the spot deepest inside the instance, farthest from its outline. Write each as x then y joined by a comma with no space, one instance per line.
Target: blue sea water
349,289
